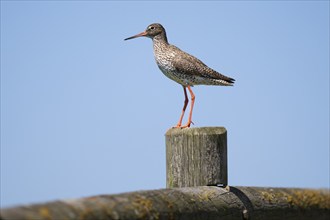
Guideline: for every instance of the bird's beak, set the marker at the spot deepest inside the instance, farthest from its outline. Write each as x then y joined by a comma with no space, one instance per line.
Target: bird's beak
138,35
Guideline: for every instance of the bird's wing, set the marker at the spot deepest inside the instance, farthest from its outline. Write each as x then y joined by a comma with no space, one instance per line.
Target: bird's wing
187,64
190,65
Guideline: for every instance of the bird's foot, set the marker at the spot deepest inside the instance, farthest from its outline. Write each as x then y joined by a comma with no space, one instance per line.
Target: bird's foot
177,126
184,126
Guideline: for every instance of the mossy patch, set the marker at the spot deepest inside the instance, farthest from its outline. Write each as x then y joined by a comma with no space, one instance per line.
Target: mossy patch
309,199
144,208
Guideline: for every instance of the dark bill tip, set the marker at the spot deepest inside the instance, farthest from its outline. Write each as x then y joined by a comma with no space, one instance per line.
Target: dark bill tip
130,38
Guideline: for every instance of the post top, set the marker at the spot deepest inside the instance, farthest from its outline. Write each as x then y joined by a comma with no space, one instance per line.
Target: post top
196,131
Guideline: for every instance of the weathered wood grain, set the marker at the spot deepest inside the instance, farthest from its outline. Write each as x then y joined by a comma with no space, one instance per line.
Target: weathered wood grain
205,202
196,157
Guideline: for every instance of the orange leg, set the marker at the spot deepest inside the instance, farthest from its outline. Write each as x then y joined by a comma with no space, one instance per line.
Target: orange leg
192,95
184,107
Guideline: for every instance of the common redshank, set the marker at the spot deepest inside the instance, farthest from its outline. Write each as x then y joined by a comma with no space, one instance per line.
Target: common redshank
181,67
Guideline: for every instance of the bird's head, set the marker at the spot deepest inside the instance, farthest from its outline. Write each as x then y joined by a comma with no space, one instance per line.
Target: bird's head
152,31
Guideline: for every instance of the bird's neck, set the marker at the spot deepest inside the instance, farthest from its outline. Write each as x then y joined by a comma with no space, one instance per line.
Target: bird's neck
160,39
160,45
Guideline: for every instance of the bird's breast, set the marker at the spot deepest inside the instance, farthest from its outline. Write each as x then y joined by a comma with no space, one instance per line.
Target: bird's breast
168,70
164,58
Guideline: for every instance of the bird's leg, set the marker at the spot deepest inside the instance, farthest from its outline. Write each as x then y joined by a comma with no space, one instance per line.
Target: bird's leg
184,107
192,95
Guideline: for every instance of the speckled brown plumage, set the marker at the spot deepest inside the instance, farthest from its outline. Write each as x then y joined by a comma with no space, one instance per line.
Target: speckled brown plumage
181,67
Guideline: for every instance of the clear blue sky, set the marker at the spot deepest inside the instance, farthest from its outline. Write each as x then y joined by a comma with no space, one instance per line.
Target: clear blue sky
84,112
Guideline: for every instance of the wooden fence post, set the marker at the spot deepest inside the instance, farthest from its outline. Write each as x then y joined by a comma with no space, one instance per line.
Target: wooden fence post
196,157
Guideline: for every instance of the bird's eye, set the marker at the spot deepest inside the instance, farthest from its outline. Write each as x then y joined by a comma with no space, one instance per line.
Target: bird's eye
151,27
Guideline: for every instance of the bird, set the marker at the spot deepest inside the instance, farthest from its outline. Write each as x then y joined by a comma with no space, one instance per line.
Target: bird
181,67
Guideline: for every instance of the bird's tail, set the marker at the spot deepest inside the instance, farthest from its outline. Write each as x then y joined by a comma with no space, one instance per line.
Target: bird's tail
226,81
